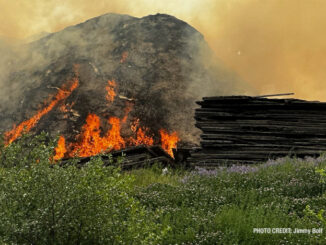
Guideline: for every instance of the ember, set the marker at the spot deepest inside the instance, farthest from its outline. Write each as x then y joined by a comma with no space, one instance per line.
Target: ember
110,91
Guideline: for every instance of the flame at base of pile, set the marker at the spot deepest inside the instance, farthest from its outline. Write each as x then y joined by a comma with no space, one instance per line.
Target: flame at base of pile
90,142
169,141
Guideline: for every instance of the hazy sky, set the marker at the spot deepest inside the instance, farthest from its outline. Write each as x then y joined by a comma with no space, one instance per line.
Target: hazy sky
275,45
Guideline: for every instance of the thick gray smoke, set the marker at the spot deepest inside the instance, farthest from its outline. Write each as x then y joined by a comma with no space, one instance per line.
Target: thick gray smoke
160,62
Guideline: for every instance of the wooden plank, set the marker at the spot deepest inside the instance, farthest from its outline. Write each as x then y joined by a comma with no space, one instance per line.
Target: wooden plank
258,146
254,142
224,99
262,111
262,123
257,115
162,159
254,153
273,95
243,128
137,157
273,129
293,133
259,104
247,137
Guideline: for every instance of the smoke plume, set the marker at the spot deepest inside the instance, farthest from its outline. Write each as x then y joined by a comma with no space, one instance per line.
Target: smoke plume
276,46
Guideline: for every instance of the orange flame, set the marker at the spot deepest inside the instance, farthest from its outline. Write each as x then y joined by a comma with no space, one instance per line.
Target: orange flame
63,108
124,57
113,138
142,138
169,141
135,125
60,150
27,125
141,135
92,143
110,91
128,109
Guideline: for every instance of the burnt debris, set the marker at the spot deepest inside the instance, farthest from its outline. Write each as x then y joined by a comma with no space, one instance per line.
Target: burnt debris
242,129
133,157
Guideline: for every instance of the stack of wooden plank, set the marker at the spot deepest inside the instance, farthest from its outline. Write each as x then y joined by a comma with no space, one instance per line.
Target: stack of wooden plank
135,157
242,129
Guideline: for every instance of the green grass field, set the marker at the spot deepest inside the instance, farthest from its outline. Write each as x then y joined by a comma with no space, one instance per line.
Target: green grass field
224,206
95,205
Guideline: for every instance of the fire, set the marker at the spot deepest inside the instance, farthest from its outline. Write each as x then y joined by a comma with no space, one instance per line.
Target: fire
128,109
60,150
124,57
169,141
92,143
114,139
135,125
63,108
110,91
142,138
141,135
27,125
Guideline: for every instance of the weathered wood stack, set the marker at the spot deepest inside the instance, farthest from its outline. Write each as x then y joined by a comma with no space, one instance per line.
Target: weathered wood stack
242,129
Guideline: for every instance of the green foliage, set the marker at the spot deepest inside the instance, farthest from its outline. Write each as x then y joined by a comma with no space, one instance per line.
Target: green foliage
322,176
27,150
44,203
320,216
224,208
146,176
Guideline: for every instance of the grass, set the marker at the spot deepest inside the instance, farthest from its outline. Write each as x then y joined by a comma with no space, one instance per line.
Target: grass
223,206
146,176
152,206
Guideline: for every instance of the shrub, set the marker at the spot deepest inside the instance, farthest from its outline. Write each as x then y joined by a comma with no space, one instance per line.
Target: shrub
44,203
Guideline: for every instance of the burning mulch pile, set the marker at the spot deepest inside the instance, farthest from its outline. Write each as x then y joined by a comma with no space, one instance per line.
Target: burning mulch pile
242,129
91,140
110,83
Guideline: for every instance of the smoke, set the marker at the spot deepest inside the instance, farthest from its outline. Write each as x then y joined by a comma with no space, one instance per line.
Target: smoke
276,46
